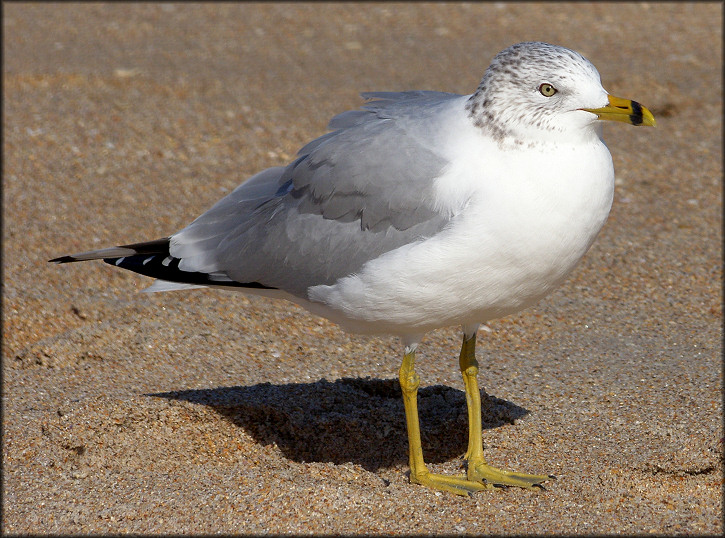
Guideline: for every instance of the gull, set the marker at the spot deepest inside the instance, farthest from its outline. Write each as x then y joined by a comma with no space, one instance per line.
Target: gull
419,211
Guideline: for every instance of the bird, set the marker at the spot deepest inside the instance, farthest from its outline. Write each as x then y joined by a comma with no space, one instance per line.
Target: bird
417,211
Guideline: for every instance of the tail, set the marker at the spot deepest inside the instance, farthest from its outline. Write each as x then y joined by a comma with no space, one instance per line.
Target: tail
153,259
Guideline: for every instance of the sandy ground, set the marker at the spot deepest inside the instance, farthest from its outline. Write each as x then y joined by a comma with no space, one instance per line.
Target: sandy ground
210,411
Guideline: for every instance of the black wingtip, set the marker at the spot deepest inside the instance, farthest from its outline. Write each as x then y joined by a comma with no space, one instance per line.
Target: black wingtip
63,259
158,246
153,259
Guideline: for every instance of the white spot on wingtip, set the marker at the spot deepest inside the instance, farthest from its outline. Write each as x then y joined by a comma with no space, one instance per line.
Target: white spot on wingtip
166,261
119,261
147,260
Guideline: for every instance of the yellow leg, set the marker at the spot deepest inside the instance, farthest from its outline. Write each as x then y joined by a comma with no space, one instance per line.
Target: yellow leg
478,469
419,474
469,369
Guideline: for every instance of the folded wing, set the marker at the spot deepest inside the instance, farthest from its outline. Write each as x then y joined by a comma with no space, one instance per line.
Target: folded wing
351,195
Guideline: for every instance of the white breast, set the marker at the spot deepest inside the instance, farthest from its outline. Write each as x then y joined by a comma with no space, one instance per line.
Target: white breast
515,237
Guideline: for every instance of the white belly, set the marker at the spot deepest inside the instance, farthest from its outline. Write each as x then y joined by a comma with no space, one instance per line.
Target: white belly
515,240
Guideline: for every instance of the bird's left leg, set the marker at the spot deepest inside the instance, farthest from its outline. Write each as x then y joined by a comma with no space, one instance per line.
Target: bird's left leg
419,474
478,469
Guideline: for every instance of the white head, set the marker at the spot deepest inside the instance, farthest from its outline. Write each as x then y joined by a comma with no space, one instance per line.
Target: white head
532,90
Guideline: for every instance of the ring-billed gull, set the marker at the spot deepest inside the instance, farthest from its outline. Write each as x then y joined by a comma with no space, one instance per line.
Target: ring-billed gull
422,210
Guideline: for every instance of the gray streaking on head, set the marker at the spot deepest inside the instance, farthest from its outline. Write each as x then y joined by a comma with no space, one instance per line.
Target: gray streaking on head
422,210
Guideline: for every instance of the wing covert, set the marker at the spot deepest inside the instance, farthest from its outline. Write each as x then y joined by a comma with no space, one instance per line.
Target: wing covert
351,195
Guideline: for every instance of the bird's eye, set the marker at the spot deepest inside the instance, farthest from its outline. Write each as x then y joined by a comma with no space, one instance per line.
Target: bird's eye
547,90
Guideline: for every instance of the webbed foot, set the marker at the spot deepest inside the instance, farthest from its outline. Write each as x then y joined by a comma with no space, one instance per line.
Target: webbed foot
491,476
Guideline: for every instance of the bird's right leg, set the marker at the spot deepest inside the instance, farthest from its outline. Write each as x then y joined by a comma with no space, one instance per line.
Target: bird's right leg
419,474
478,469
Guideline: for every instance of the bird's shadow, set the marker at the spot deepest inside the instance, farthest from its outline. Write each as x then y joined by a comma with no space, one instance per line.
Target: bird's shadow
350,419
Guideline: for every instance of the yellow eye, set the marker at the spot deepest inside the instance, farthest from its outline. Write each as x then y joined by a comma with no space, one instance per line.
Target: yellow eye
547,90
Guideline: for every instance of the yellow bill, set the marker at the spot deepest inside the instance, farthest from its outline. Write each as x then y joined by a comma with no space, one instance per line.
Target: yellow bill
625,111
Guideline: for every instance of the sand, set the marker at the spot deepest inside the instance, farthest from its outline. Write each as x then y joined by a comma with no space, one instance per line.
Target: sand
214,412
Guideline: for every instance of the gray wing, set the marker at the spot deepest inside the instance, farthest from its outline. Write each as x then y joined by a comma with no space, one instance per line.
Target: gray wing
351,195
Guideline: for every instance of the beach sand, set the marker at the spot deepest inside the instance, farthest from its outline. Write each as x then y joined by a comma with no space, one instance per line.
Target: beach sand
214,412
